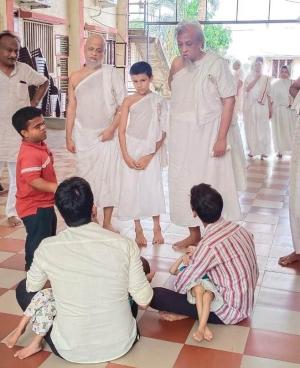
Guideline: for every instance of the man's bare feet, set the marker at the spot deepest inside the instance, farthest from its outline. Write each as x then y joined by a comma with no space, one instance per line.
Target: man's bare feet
110,228
208,335
183,244
167,316
29,350
140,238
14,221
150,276
198,335
12,339
289,259
157,236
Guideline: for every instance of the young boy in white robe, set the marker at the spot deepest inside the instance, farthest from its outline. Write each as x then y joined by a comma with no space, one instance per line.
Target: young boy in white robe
141,135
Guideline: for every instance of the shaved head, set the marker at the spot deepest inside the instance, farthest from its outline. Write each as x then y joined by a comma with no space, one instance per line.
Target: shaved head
94,51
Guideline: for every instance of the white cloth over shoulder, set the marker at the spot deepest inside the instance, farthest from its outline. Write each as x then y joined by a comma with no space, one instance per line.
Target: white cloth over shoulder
196,109
283,117
141,191
256,115
14,95
294,200
98,97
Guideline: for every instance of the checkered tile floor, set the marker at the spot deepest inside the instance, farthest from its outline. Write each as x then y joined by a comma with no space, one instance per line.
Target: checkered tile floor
271,338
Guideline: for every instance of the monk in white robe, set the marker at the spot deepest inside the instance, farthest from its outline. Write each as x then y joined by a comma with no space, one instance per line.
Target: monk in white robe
283,117
201,110
95,93
257,111
294,195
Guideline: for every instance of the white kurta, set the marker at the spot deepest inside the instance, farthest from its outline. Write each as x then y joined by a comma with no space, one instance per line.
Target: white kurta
256,117
294,199
238,75
98,97
141,191
14,96
283,117
196,110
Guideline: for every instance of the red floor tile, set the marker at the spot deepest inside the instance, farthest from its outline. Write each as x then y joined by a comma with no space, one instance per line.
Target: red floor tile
6,230
2,291
8,360
16,262
279,299
150,325
11,245
196,357
273,345
8,322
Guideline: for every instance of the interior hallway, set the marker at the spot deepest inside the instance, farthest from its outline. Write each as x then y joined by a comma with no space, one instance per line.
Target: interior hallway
271,338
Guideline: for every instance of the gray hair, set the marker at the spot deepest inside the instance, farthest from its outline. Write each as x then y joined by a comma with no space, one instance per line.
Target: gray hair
183,27
98,37
7,33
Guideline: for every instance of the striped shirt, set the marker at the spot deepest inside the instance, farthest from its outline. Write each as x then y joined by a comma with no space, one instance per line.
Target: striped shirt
226,254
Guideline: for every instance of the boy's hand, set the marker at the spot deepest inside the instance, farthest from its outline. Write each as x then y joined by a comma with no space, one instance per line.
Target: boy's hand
143,162
70,145
130,162
191,249
186,259
107,134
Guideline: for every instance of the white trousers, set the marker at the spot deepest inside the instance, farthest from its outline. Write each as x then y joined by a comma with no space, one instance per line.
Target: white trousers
10,209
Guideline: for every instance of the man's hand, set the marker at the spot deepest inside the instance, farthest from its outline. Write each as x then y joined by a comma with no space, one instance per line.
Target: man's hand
70,145
130,162
143,162
219,148
107,134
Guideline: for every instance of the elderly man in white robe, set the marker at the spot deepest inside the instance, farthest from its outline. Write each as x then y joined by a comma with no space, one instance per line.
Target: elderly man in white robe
96,92
294,199
257,111
202,103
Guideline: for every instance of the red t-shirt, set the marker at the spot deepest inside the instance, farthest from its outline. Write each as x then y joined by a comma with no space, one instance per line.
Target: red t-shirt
34,161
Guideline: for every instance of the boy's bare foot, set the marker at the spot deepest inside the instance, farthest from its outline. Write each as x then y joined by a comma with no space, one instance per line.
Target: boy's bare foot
198,335
167,316
33,348
2,190
289,259
110,228
183,244
13,221
208,335
150,276
11,340
157,238
140,238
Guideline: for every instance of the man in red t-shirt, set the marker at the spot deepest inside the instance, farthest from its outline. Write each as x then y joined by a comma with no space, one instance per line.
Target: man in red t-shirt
36,180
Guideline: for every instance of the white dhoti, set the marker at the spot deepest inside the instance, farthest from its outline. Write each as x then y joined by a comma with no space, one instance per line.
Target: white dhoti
195,118
98,97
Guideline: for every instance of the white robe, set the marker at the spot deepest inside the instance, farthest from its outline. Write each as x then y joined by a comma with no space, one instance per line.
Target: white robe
283,117
256,117
141,191
294,199
98,97
196,110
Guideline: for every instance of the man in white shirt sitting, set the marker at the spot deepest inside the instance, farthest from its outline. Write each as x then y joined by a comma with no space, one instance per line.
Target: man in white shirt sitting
91,271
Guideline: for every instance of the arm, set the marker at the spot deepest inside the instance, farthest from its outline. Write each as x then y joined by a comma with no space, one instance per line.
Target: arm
139,288
295,88
108,133
177,64
39,93
174,268
144,161
269,106
71,111
36,277
122,134
219,148
252,84
43,185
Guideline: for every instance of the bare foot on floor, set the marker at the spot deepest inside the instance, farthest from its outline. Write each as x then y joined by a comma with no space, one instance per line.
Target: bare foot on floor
208,335
289,259
167,316
157,238
183,244
13,221
198,335
150,276
110,228
140,238
28,351
11,340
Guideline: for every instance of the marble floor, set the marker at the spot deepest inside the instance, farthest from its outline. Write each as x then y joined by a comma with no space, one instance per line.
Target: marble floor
270,338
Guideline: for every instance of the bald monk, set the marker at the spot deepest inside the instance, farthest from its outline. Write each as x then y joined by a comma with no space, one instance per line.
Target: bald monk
95,93
202,102
294,207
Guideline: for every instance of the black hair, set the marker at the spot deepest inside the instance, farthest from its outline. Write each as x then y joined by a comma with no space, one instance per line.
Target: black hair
141,67
7,33
21,117
259,59
74,200
206,202
285,67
